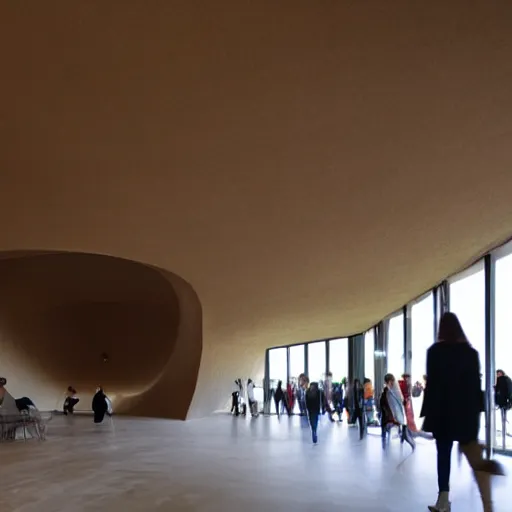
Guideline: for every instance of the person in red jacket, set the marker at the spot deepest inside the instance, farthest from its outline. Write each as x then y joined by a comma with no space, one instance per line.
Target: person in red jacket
290,397
406,388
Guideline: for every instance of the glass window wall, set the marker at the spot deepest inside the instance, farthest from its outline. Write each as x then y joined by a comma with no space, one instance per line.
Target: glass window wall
467,301
297,361
278,368
395,351
503,350
338,359
369,355
422,337
316,361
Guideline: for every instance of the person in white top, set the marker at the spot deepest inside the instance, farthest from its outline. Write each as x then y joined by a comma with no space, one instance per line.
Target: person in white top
253,405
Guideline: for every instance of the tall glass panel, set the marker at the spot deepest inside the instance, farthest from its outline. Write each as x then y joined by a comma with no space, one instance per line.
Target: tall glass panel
467,301
296,361
503,342
338,359
277,366
316,361
395,351
422,327
369,355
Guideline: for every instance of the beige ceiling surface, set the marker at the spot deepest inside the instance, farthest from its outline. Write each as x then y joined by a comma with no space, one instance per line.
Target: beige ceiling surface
307,167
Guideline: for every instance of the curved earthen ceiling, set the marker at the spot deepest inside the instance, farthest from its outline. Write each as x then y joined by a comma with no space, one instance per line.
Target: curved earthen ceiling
308,167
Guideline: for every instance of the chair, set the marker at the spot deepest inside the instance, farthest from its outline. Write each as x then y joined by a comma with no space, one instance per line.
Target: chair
30,421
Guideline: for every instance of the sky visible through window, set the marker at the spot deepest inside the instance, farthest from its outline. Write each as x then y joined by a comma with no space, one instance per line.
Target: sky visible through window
395,352
338,359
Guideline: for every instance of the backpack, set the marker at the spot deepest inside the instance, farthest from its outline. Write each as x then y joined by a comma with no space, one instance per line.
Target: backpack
337,393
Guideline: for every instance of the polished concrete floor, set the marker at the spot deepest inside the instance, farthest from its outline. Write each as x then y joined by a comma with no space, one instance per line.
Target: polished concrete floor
223,464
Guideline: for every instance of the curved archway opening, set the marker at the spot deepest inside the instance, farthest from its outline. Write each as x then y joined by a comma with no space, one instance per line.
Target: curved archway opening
87,320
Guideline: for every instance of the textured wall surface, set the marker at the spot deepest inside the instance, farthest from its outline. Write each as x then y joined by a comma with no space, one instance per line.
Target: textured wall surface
305,167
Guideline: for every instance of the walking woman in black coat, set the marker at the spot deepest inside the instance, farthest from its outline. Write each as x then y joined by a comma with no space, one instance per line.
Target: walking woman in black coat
99,405
452,406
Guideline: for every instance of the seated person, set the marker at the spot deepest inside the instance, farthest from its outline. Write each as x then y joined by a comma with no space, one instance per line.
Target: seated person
36,426
70,401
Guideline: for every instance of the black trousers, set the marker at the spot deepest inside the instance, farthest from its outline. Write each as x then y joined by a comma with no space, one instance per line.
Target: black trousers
234,403
278,402
358,416
69,405
444,461
313,421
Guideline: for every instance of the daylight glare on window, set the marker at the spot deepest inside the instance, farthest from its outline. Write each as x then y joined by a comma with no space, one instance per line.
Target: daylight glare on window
296,361
277,364
395,351
422,326
369,355
338,358
467,301
316,361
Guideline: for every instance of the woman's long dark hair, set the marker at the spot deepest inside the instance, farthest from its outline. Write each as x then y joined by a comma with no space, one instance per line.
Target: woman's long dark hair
450,329
314,389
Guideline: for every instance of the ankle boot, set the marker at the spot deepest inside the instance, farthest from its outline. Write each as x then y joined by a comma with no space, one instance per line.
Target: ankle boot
443,503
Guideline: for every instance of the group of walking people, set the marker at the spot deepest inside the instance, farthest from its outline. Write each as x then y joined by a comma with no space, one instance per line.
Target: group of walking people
356,402
337,397
238,403
450,416
286,399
